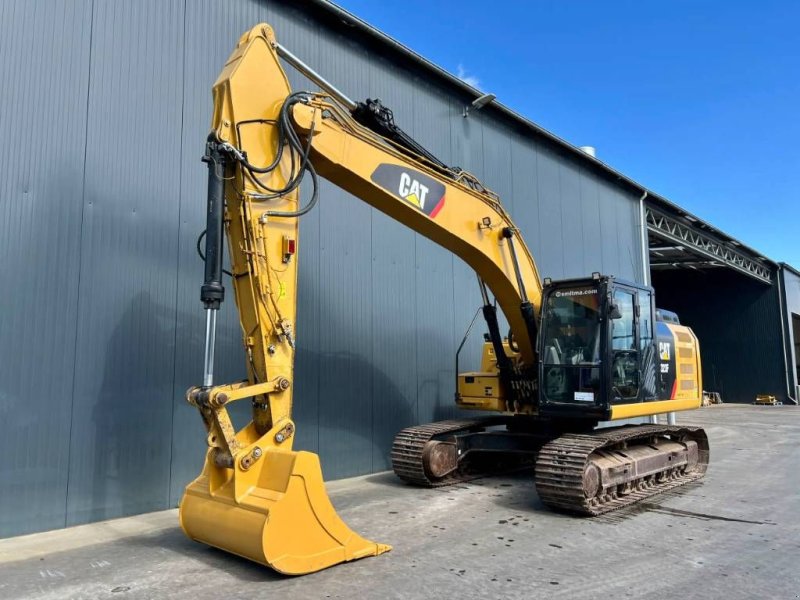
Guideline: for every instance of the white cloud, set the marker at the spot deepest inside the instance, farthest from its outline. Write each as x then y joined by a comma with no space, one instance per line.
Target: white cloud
468,79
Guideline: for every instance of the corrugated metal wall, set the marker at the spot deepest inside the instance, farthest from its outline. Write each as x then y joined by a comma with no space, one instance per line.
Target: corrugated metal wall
791,295
737,321
105,111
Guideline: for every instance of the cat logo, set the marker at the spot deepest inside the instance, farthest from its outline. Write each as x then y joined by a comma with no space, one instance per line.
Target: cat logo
421,191
412,191
663,350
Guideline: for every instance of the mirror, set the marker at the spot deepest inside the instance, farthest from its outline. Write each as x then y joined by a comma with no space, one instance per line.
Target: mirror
613,311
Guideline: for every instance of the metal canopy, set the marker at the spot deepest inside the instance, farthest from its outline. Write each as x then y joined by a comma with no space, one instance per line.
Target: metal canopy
675,244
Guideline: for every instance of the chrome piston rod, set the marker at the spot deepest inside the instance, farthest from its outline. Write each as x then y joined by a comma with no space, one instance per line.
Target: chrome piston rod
211,335
315,77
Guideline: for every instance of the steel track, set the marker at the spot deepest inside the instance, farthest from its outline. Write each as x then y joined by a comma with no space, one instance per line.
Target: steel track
562,462
407,459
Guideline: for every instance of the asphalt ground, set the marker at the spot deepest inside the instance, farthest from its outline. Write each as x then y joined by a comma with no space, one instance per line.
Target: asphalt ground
735,534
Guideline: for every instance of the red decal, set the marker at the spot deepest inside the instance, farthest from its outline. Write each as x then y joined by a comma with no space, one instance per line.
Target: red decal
437,208
674,388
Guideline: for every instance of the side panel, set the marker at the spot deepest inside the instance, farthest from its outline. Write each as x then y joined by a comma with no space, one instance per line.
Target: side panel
666,362
435,322
680,372
551,232
791,314
572,241
688,383
524,188
593,204
45,73
347,369
125,349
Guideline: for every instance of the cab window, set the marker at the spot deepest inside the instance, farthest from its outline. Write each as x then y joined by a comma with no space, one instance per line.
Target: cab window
571,345
625,363
645,321
622,329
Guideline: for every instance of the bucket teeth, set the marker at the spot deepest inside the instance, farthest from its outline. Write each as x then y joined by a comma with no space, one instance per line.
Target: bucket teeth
283,519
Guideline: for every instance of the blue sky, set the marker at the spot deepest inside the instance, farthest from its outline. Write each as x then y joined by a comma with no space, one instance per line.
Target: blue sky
697,100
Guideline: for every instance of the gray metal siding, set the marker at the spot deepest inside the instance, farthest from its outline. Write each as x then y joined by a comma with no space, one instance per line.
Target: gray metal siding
101,209
345,297
124,353
43,125
791,299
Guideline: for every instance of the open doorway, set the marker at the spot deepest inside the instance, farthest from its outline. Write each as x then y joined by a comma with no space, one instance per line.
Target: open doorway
796,338
737,321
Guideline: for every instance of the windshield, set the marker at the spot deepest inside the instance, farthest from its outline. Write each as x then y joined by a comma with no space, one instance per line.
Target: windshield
572,327
571,351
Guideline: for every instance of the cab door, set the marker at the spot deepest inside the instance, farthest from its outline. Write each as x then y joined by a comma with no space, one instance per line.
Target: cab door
626,369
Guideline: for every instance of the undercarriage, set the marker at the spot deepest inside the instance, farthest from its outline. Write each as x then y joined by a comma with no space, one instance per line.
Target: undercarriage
586,473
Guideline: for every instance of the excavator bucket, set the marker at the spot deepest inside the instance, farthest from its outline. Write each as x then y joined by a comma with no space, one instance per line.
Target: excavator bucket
281,516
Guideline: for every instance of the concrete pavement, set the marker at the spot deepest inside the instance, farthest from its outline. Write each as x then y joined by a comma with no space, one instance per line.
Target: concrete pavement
734,535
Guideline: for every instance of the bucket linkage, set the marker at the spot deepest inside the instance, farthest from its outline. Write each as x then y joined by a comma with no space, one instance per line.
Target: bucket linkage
261,502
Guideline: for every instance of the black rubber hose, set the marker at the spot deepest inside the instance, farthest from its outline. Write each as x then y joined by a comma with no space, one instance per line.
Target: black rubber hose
311,203
287,135
290,101
202,256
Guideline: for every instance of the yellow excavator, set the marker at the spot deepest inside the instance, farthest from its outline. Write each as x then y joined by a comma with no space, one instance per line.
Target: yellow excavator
578,352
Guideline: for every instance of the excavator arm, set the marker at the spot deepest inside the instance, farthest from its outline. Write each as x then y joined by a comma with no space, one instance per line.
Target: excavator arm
256,497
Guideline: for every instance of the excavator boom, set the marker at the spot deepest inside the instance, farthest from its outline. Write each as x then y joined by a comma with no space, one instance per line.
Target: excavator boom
472,224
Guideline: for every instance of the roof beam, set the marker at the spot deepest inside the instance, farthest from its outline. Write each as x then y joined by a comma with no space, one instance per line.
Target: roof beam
670,229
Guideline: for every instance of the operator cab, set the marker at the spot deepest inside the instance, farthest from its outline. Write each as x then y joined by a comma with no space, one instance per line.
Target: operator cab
596,347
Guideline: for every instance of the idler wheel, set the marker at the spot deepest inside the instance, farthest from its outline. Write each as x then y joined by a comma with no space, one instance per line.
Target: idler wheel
591,480
440,458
